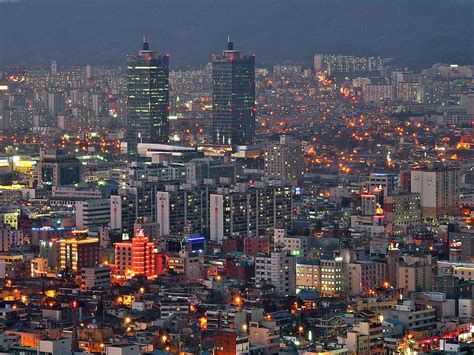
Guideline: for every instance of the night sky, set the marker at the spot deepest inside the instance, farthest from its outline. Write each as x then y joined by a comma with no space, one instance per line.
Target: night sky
415,32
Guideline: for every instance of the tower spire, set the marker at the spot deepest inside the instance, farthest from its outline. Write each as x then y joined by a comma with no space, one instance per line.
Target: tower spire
230,45
146,46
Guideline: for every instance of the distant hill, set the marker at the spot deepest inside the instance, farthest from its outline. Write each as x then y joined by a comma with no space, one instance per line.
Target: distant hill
415,32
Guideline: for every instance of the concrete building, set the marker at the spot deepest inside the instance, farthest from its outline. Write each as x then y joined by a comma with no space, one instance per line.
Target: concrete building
296,245
403,213
55,347
95,277
185,262
412,316
445,308
368,204
267,336
256,245
365,275
384,181
284,159
231,341
308,274
92,213
376,93
466,308
415,273
76,253
10,238
438,187
364,338
460,270
180,205
126,349
461,245
39,267
332,276
250,210
277,268
136,257
56,168
325,275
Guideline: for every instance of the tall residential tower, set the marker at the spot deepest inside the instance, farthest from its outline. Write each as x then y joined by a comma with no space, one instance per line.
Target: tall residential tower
148,102
233,83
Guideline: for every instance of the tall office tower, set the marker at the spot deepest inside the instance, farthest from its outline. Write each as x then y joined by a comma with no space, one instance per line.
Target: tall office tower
284,159
233,95
438,186
148,102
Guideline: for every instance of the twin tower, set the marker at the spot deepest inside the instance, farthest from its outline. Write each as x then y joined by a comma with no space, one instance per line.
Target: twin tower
148,100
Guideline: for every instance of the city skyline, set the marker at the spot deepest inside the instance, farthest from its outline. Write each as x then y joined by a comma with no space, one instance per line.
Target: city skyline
319,201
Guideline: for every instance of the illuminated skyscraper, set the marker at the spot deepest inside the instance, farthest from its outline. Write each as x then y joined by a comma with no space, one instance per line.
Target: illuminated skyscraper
148,98
233,95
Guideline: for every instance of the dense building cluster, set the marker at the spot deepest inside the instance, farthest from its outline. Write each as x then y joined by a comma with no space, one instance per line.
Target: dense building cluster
231,209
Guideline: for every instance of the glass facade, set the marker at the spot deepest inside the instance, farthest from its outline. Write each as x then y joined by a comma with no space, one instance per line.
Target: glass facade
233,80
148,98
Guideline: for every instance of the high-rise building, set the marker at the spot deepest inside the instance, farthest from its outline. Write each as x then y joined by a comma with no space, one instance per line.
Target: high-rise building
377,92
92,213
386,182
403,213
3,91
331,276
365,275
277,268
136,257
148,98
338,63
414,273
78,252
254,210
179,205
284,159
233,95
57,169
439,190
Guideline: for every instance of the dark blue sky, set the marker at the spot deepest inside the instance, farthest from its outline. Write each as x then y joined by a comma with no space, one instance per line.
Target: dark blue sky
415,32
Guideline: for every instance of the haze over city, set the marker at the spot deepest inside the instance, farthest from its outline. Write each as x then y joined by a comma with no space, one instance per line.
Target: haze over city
416,32
261,177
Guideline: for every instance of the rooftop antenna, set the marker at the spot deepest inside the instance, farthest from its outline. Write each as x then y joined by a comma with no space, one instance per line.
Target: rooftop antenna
230,45
146,46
